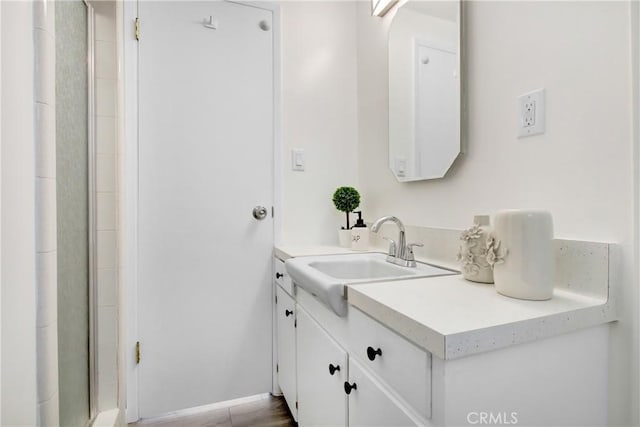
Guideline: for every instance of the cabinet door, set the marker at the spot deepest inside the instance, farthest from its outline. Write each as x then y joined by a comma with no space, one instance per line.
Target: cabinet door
286,317
370,404
322,370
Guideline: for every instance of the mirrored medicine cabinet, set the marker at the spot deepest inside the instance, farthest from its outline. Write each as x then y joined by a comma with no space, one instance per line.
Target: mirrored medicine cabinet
424,89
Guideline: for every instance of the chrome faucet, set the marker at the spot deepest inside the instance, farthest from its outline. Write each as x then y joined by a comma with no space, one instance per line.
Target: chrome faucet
399,252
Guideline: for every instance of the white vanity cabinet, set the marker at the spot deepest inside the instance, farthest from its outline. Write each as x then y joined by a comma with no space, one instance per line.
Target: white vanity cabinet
371,403
321,354
322,371
286,338
442,351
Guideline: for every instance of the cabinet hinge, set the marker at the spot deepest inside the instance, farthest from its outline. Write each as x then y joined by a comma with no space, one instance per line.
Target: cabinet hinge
273,212
277,368
296,404
276,299
295,323
138,29
137,352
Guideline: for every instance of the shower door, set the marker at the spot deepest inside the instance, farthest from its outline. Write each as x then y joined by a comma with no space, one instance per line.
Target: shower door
206,123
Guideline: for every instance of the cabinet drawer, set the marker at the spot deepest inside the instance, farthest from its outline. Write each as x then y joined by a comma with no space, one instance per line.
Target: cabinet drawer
398,362
281,277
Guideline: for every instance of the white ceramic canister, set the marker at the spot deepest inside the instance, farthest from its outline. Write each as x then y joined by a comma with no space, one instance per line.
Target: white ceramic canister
472,253
521,253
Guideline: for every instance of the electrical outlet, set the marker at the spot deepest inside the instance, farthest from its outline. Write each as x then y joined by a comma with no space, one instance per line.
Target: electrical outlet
531,113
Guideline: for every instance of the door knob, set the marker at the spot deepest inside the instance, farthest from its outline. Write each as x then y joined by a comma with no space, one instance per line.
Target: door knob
259,212
348,387
279,275
333,369
288,313
371,353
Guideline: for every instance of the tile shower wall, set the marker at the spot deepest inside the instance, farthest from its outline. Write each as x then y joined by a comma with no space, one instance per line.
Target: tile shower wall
45,211
107,202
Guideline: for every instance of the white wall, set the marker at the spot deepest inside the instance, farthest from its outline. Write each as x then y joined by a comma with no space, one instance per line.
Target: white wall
18,382
319,115
581,169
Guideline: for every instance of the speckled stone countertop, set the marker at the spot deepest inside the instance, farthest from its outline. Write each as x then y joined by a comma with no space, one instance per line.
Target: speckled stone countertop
452,317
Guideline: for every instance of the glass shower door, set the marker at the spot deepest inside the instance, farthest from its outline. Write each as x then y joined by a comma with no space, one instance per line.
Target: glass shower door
73,211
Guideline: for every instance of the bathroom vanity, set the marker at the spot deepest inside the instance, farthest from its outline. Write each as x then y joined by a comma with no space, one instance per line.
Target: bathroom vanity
444,351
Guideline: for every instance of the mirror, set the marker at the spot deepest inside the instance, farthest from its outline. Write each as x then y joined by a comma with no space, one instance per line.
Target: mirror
424,89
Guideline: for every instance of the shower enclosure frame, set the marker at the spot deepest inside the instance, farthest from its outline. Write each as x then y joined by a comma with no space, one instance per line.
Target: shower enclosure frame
92,219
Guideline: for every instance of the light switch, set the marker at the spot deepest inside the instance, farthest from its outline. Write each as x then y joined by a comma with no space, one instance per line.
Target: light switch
297,159
401,166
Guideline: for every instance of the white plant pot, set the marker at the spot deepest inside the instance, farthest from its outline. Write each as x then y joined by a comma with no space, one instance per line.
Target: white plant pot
524,266
344,237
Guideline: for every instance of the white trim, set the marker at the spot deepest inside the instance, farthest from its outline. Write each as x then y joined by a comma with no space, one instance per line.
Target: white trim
129,187
0,206
129,198
635,82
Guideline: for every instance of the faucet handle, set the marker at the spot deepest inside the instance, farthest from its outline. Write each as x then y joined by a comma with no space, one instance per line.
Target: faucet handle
392,246
410,246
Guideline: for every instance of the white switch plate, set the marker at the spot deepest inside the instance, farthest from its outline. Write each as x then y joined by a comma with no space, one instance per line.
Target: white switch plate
297,159
401,166
531,112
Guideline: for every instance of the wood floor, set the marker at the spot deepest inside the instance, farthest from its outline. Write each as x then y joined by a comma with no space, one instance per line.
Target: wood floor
268,412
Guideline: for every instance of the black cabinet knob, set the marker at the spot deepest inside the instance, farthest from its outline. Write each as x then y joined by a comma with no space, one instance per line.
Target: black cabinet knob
348,387
333,369
279,275
371,353
288,313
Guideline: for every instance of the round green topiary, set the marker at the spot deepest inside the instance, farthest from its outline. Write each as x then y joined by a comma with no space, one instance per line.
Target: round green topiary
346,199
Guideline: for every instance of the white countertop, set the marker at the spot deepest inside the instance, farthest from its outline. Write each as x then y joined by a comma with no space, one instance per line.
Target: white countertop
452,317
284,252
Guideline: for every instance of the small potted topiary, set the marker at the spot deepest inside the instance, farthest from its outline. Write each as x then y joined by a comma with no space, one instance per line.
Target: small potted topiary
346,199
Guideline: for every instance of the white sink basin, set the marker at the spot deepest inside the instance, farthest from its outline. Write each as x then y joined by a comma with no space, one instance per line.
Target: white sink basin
325,276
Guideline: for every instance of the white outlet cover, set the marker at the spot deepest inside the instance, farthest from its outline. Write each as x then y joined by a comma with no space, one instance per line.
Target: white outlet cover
531,113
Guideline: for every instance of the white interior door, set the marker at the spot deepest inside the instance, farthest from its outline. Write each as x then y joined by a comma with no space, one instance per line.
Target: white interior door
205,160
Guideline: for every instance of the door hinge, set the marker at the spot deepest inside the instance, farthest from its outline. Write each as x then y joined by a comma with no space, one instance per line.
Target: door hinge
273,212
295,323
138,29
296,404
277,368
137,352
276,299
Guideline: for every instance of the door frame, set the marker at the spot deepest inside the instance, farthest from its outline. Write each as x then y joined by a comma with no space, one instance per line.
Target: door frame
129,187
